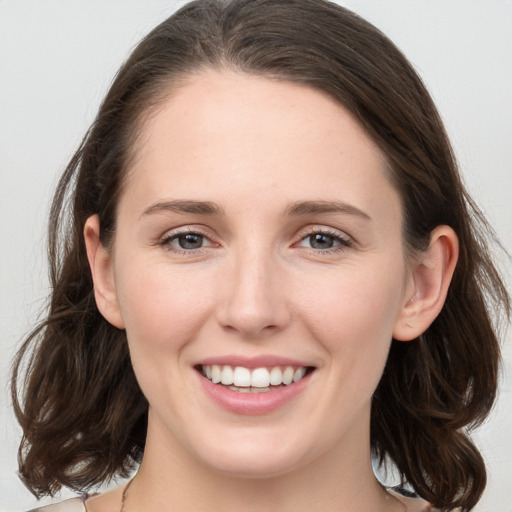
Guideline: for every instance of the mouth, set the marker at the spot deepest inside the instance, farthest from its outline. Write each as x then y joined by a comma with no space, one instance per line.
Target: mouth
253,380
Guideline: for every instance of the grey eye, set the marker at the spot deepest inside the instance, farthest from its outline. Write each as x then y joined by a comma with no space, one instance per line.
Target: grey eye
321,241
189,241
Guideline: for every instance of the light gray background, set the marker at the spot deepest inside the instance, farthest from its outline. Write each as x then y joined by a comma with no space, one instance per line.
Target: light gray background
57,57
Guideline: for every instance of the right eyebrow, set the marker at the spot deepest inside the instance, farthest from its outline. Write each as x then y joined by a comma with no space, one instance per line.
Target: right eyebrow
319,207
184,206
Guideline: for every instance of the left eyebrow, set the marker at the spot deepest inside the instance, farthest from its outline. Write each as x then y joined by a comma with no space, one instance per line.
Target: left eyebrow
317,207
184,206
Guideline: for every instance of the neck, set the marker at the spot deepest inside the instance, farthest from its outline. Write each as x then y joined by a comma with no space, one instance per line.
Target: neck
342,479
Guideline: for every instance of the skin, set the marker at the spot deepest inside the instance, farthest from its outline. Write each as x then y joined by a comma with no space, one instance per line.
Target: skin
255,148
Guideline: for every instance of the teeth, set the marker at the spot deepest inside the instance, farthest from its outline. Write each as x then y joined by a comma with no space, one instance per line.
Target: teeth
259,378
288,375
226,377
216,373
299,373
249,390
276,376
241,377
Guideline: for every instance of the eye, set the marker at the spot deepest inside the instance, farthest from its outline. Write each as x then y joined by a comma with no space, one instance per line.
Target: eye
321,241
187,241
324,241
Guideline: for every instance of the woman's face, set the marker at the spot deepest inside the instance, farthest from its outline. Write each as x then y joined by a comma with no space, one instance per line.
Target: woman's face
258,235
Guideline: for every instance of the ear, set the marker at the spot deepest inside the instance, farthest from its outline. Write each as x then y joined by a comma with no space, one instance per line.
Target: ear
102,270
430,278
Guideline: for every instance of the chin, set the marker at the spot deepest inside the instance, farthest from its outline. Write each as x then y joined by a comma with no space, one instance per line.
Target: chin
254,458
257,468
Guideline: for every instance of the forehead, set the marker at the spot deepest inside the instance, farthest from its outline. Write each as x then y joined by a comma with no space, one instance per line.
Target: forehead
222,131
212,103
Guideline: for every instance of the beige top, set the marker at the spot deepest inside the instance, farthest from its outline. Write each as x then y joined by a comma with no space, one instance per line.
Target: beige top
78,505
72,505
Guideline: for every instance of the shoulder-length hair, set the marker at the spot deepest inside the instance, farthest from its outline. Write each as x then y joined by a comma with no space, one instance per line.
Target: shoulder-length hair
83,415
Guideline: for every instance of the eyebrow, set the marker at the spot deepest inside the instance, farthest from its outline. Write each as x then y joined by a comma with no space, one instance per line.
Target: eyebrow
184,206
295,209
318,207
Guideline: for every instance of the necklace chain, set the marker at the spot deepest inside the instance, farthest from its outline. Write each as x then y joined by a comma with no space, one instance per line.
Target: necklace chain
127,486
125,493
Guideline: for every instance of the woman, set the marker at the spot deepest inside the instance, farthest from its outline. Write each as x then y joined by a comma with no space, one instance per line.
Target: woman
271,270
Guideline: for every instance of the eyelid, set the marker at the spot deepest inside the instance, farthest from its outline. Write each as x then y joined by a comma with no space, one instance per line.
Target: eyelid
345,240
172,234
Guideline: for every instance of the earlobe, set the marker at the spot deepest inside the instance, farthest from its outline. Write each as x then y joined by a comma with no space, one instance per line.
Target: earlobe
101,265
430,279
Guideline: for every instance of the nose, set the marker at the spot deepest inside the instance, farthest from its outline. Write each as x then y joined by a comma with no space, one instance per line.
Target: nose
254,302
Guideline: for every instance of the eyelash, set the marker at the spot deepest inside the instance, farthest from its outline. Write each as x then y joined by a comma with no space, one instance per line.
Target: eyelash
341,242
166,242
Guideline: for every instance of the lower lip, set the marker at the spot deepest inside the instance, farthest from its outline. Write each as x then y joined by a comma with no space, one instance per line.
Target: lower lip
252,404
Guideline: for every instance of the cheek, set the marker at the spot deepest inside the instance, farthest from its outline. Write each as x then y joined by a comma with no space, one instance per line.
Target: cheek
162,306
163,312
353,319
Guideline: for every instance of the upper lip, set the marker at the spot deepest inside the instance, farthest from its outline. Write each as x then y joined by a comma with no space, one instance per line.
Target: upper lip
259,361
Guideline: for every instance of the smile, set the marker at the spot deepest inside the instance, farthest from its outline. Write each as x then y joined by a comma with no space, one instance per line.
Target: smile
257,380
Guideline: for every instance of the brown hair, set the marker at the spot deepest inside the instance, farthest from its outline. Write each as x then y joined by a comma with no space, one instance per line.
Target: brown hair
83,414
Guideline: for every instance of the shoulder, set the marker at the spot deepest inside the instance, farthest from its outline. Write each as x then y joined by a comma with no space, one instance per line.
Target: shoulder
72,505
108,500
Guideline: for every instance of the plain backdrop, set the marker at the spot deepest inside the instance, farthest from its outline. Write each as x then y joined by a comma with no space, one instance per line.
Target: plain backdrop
57,58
